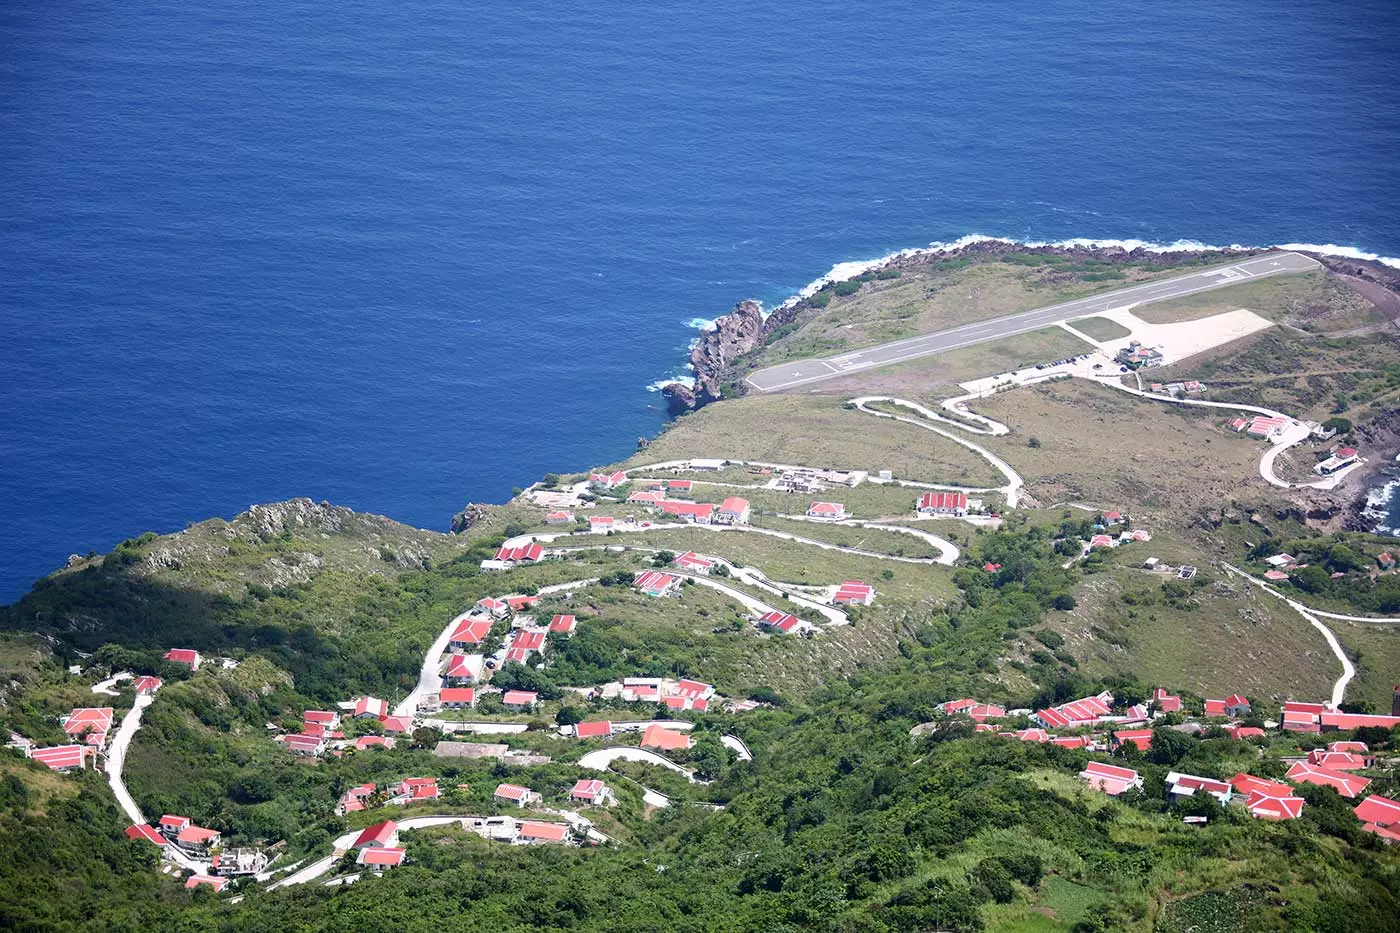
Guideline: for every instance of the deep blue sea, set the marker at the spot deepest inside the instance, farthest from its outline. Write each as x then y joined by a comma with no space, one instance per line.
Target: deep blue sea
406,255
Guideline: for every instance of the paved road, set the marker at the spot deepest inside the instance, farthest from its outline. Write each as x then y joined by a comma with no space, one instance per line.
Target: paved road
806,372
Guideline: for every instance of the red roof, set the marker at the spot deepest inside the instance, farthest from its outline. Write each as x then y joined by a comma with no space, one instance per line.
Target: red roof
1111,772
527,552
370,705
549,832
1165,701
530,639
1142,738
1337,761
655,581
1215,707
519,698
593,729
379,834
1076,712
60,756
1249,784
1100,541
512,792
194,881
693,561
471,631
1345,452
853,591
147,684
177,823
693,688
1195,782
89,719
518,603
1345,721
1378,809
370,741
1246,732
826,508
1266,807
182,656
396,724
942,501
587,789
384,856
1348,785
563,624
1348,746
658,736
464,666
321,717
694,509
781,621
457,695
197,835
142,831
734,505
601,520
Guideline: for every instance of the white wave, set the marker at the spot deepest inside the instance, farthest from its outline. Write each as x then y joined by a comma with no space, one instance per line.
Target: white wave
701,323
658,385
843,271
1378,503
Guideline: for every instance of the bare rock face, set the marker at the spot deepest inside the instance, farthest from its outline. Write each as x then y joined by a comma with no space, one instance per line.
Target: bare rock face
469,516
733,335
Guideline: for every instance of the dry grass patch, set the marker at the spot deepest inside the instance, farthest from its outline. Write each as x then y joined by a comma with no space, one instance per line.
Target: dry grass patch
1317,301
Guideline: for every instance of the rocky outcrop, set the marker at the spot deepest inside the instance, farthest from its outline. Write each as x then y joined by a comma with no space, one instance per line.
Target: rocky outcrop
469,516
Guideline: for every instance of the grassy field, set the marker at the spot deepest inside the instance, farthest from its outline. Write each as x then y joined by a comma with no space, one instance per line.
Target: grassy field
1228,637
1100,328
819,432
1375,650
1316,301
1107,448
945,294
943,373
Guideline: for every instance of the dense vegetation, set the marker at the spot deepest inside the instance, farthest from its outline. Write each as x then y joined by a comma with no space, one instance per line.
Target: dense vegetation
842,822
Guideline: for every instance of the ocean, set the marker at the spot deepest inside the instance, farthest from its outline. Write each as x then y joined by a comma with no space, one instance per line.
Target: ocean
406,256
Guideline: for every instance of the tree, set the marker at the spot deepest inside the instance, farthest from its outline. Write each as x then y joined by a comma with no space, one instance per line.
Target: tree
568,716
1064,602
1340,425
1168,746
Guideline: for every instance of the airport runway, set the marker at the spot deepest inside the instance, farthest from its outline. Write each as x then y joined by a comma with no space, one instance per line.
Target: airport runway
804,372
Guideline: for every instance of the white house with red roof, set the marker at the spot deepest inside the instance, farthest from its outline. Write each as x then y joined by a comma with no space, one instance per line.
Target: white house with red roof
369,708
1236,705
520,602
396,725
381,835
733,511
1381,816
1339,761
1265,807
1330,721
854,593
1140,738
693,689
170,825
305,744
1098,541
92,721
1303,717
515,795
593,729
563,625
186,656
784,623
413,790
506,557
520,699
559,518
62,758
699,513
979,712
693,563
197,840
469,632
1186,785
381,858
1215,709
535,832
668,740
1241,733
942,503
827,511
146,685
598,524
655,583
373,741
464,668
1348,785
592,791
497,608
355,799
1110,779
646,497
457,697
321,717
607,480
1164,702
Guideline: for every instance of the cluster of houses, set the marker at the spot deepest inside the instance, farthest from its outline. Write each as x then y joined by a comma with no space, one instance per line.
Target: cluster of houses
942,503
404,792
379,848
320,732
88,729
807,479
1280,564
